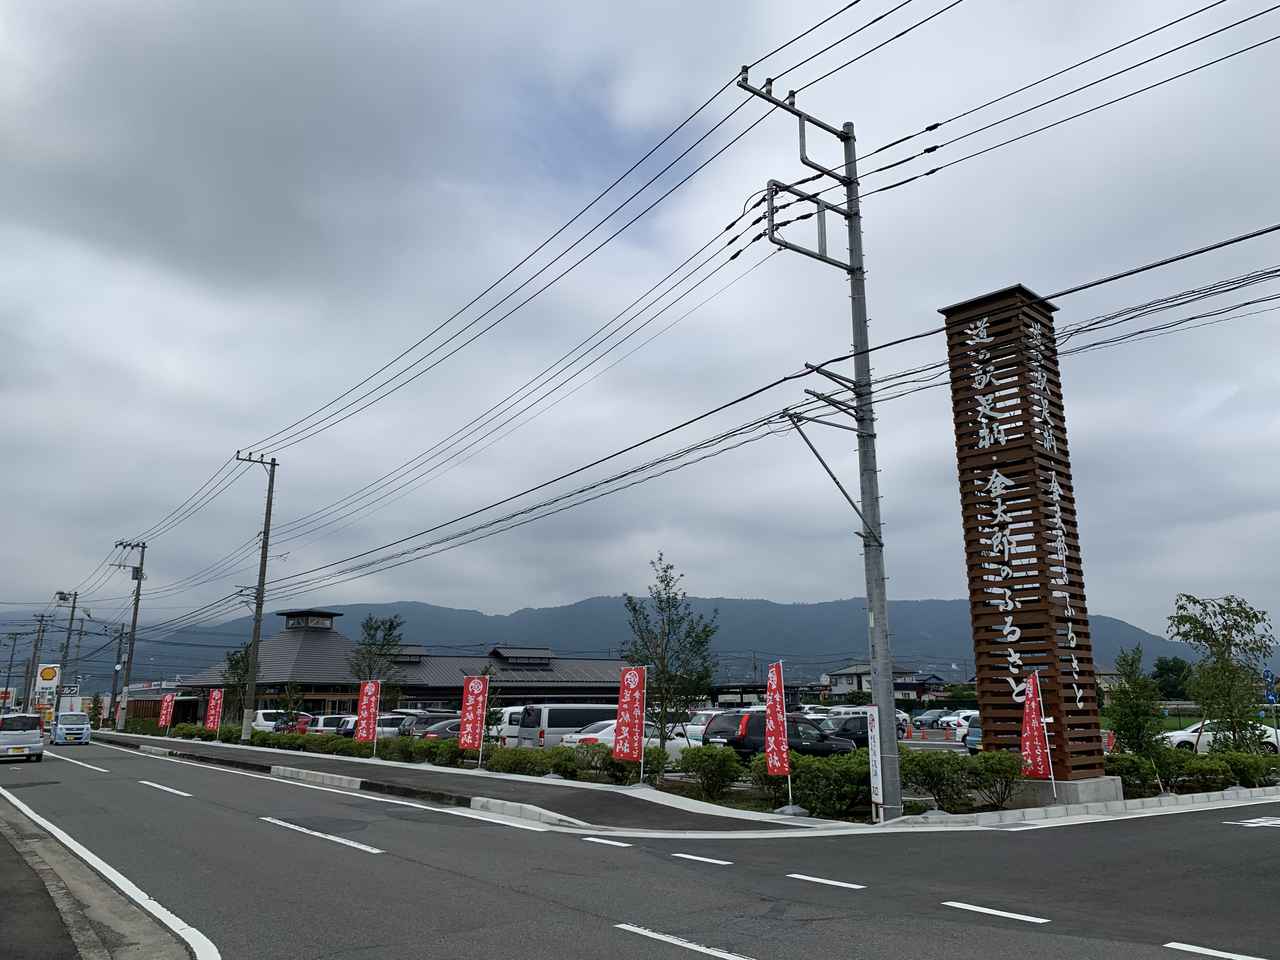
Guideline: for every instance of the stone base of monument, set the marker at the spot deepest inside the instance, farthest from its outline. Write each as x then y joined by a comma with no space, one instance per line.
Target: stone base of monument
1039,793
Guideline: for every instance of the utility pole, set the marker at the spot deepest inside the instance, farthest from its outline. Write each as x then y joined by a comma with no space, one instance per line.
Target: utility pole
79,644
133,626
115,674
8,677
66,648
33,668
251,677
864,415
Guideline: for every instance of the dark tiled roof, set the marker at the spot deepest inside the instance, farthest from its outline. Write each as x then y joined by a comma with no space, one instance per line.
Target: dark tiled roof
524,653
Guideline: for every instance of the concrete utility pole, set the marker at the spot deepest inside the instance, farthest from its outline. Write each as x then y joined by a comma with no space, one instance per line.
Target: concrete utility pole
29,685
115,675
133,626
251,674
864,415
66,648
8,677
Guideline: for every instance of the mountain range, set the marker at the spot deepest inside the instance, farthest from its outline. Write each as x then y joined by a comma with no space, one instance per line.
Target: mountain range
927,635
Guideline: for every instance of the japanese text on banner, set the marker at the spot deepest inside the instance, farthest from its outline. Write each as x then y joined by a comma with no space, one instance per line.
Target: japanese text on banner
1035,738
475,702
367,710
628,732
776,748
213,713
166,710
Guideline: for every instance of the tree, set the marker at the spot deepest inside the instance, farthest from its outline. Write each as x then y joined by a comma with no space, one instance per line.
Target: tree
95,711
374,656
292,703
1172,674
1135,705
235,674
1235,641
673,642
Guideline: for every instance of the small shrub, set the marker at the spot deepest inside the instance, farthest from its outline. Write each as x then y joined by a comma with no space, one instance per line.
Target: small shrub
563,761
715,768
591,757
229,734
994,775
422,751
832,787
260,738
187,731
1137,774
395,748
138,725
656,760
531,763
942,774
288,741
324,743
774,788
205,734
1248,769
1205,774
1170,763
448,754
353,748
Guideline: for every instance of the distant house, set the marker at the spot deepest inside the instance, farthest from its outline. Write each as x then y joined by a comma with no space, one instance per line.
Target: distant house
918,686
856,678
312,654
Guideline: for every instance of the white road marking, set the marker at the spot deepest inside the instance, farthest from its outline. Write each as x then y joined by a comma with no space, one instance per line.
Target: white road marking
161,786
1206,952
690,856
1255,822
327,836
78,763
452,811
610,843
830,883
201,946
995,913
680,942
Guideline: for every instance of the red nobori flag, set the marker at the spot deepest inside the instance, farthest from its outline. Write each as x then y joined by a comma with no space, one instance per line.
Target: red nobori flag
367,711
1035,739
776,749
475,702
166,710
628,733
213,712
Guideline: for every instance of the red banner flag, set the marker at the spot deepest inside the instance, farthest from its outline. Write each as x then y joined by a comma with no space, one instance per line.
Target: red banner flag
367,711
777,754
475,702
1035,739
213,712
628,733
166,710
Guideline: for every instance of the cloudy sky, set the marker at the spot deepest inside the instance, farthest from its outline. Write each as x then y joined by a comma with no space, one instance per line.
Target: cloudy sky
218,217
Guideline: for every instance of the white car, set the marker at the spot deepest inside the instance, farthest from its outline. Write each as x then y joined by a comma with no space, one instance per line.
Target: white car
957,720
696,724
602,731
325,723
1199,736
266,720
507,731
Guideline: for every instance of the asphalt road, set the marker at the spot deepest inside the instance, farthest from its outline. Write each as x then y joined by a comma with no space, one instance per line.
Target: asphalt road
444,883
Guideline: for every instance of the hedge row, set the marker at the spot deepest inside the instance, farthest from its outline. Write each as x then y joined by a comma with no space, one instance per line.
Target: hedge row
1182,771
586,761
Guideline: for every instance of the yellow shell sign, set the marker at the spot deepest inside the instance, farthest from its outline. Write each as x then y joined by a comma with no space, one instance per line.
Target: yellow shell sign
48,673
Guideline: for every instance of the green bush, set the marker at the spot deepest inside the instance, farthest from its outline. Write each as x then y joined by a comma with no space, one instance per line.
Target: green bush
350,747
1249,769
1170,763
323,743
520,760
1137,774
591,757
656,761
138,725
715,768
563,761
187,731
205,734
994,775
229,734
1205,774
773,788
832,787
260,738
395,748
942,774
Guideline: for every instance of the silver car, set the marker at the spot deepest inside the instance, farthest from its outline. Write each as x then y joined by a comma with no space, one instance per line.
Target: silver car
22,736
70,728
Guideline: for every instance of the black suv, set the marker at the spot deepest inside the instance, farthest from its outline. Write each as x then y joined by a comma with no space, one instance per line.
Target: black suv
743,730
849,726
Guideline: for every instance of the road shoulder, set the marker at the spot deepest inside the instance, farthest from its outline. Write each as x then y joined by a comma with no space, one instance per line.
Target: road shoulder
97,922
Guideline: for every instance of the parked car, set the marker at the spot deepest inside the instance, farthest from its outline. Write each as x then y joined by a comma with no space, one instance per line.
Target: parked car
815,711
603,731
266,720
326,723
928,718
440,730
70,728
389,725
22,736
543,724
507,730
1200,735
301,723
850,726
953,721
696,724
973,735
743,730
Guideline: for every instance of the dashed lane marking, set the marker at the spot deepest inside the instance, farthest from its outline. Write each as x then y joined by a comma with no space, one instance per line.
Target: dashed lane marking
829,883
1206,952
608,843
680,942
690,856
995,913
78,763
326,836
161,786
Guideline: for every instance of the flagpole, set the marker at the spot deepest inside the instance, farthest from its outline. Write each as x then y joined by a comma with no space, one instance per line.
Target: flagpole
644,719
1044,728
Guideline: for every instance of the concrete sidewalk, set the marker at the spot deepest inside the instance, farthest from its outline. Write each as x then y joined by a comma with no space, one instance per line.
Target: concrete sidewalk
568,803
32,926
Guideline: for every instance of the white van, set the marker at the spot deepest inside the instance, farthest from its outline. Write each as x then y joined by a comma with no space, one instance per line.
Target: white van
507,730
22,736
543,724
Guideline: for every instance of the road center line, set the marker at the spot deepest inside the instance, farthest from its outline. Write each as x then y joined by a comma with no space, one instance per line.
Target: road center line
326,836
679,942
830,883
1206,952
995,913
78,763
161,786
718,863
608,843
201,946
